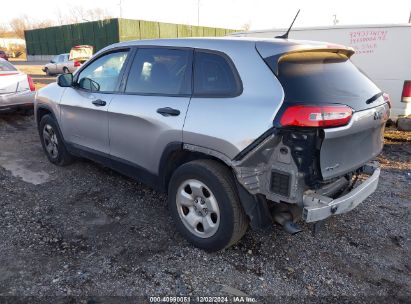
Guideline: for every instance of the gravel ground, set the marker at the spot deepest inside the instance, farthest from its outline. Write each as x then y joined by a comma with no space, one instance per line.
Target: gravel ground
85,231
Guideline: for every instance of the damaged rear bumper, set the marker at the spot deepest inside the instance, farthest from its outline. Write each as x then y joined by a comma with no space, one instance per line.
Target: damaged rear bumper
318,207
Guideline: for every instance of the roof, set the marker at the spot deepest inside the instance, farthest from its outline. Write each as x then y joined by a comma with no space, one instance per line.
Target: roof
217,42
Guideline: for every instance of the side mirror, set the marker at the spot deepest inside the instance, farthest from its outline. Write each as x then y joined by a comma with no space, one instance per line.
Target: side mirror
88,84
52,61
65,80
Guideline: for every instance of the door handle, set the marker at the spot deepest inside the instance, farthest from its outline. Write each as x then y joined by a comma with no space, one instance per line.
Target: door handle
99,103
168,111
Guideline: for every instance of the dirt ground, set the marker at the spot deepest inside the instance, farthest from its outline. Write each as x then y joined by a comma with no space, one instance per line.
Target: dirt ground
86,232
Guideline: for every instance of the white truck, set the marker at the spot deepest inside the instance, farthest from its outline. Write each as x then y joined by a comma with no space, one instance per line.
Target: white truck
382,52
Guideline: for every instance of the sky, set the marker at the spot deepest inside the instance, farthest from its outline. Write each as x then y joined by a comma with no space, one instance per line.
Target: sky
259,14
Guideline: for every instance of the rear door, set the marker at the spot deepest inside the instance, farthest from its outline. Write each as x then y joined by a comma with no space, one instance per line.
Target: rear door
150,113
84,119
60,64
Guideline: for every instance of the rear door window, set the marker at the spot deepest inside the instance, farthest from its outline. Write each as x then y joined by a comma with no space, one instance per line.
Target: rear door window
160,71
215,75
325,78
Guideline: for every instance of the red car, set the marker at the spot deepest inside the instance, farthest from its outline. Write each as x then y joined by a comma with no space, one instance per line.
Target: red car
4,55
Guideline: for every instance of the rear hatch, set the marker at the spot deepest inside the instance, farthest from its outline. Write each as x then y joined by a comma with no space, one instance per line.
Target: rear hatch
81,53
318,79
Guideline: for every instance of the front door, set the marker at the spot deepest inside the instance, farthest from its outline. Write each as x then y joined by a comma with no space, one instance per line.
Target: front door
150,113
84,119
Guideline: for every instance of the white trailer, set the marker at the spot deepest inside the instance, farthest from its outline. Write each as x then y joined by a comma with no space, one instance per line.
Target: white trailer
383,52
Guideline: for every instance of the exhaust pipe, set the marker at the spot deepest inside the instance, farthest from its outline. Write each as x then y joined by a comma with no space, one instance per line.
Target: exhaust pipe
285,220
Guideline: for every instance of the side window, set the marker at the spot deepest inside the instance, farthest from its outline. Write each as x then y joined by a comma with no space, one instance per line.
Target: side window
61,58
55,59
159,71
103,74
214,76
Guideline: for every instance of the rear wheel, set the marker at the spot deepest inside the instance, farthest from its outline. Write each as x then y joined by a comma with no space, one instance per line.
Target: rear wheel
66,70
204,204
52,142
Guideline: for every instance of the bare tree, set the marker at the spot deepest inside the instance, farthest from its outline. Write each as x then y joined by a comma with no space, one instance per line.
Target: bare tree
4,31
19,25
22,23
246,26
80,14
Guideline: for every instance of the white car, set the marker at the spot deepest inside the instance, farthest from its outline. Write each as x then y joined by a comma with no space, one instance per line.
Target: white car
17,90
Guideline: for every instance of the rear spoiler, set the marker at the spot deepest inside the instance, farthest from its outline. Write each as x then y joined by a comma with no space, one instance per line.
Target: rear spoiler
277,53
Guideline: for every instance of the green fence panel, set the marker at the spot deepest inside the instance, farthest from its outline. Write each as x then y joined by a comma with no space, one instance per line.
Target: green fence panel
77,34
112,31
168,30
100,35
184,30
88,34
197,31
67,38
37,49
43,41
209,32
60,46
51,40
219,32
29,46
60,39
149,30
129,29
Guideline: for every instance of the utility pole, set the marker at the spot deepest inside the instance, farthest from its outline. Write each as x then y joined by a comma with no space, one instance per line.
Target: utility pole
198,12
409,19
335,21
121,9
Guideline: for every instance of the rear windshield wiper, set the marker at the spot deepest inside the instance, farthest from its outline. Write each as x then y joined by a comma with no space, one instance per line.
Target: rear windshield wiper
374,98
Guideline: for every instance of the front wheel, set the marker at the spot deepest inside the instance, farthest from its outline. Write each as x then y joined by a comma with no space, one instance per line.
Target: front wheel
52,142
204,204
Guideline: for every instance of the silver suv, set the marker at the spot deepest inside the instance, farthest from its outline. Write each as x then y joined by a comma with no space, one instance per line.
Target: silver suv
238,131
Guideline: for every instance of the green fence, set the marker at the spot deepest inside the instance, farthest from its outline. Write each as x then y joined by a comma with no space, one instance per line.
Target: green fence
60,39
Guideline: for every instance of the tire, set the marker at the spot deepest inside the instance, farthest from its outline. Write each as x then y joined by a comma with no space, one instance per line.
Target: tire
52,142
211,184
47,71
66,70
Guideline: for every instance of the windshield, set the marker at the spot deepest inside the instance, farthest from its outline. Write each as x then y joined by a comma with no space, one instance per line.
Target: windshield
6,66
322,77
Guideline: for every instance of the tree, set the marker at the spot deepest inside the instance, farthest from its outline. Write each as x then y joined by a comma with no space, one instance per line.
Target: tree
22,23
246,26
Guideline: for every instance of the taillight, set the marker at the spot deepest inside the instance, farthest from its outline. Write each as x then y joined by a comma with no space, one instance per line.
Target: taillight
316,116
31,83
406,91
387,99
77,64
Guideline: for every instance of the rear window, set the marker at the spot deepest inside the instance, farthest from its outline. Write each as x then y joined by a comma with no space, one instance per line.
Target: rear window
215,76
6,66
324,78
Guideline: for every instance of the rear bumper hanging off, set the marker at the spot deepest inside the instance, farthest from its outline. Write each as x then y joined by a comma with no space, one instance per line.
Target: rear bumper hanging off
318,207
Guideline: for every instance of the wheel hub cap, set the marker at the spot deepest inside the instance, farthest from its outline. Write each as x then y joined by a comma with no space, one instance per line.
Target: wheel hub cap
198,208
